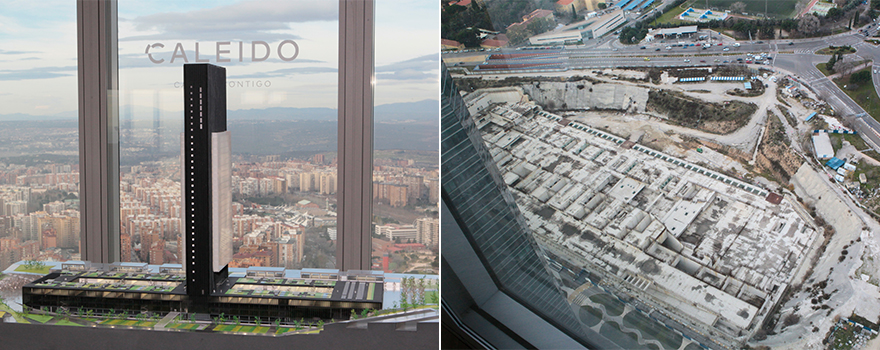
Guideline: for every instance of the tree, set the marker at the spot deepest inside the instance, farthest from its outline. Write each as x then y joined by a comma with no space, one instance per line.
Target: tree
808,24
602,5
738,7
469,37
860,77
831,63
845,67
833,13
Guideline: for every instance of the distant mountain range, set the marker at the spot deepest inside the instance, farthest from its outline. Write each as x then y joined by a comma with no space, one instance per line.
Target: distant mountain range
420,111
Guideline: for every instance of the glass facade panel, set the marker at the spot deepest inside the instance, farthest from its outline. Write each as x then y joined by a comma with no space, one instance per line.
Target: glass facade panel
488,216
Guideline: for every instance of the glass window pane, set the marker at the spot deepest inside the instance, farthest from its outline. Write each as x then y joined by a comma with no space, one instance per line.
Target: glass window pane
39,145
281,71
406,121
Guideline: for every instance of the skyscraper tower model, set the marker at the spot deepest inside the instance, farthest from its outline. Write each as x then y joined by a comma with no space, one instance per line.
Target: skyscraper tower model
201,284
207,171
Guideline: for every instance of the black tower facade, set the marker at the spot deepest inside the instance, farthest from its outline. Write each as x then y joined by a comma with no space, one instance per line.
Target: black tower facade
206,175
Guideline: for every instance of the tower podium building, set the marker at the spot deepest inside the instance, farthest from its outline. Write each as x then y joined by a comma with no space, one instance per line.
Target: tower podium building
203,283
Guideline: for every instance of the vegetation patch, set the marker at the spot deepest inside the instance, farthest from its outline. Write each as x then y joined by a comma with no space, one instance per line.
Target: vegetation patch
756,90
775,158
780,8
823,67
671,15
183,326
871,187
68,323
693,113
788,116
864,93
834,50
33,266
39,318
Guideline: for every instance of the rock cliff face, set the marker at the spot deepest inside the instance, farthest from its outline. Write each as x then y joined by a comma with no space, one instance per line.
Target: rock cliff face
586,95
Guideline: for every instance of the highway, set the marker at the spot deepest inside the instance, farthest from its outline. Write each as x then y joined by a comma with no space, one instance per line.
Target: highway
796,57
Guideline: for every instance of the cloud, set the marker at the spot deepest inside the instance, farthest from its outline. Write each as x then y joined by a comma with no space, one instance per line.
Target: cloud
423,67
284,72
37,73
4,52
246,20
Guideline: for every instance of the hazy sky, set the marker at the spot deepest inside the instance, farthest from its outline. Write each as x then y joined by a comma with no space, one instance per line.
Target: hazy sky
38,52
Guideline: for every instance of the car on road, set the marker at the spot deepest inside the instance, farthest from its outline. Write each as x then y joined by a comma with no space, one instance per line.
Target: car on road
615,49
703,61
647,59
669,47
687,60
760,42
726,61
716,60
726,49
720,44
658,49
748,61
736,44
791,43
642,48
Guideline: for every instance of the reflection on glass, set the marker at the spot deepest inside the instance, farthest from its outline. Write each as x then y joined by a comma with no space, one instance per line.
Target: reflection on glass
280,59
39,152
405,156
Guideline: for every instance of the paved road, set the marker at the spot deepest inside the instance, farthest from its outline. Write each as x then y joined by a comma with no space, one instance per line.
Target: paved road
793,56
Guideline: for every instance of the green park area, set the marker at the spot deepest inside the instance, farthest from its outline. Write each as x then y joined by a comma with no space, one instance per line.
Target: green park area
861,90
776,8
241,329
39,318
40,269
671,16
